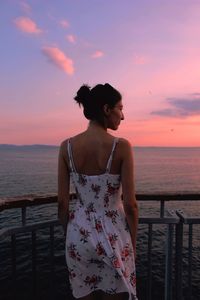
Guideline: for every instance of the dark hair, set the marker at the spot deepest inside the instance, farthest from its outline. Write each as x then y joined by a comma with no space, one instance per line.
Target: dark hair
94,99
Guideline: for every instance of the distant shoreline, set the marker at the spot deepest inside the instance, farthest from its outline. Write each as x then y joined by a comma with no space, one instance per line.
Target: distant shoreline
40,146
35,146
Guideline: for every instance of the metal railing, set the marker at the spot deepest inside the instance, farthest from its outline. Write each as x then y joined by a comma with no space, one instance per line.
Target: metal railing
169,222
190,222
172,223
28,201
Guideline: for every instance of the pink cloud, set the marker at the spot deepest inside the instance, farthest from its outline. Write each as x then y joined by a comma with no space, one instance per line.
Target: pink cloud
58,58
25,7
27,25
71,38
64,23
97,54
140,59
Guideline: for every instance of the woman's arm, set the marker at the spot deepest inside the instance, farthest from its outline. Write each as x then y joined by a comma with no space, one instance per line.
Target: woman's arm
128,190
63,186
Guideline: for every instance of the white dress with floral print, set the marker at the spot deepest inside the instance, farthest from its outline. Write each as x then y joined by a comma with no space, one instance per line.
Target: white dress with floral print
99,251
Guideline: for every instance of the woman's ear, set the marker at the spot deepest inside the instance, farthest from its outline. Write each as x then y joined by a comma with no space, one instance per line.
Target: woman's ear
106,110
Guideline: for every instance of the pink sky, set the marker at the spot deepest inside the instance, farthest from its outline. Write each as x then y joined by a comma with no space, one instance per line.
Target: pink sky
147,49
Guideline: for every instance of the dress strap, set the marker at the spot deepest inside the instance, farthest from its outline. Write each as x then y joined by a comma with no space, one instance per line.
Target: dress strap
71,161
108,167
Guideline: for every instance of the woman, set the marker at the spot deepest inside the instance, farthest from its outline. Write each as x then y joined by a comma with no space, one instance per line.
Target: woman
100,226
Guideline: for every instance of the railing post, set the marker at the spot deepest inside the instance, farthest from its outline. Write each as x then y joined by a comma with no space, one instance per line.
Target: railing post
13,253
149,263
34,261
52,254
178,261
23,215
168,263
162,208
190,261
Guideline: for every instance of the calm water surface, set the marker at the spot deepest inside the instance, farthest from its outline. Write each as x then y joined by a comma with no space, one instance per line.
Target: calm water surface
33,170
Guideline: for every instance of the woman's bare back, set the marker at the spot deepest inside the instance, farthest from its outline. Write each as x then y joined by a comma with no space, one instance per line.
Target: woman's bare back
91,153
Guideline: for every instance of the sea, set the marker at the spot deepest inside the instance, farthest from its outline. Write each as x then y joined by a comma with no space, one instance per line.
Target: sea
32,170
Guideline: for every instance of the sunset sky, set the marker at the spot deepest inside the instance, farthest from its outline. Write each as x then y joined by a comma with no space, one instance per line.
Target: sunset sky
148,49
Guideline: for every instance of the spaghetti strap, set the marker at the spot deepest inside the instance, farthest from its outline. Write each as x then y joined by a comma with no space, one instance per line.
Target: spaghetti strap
108,167
71,161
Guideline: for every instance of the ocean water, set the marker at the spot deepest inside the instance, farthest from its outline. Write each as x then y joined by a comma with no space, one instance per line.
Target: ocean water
33,170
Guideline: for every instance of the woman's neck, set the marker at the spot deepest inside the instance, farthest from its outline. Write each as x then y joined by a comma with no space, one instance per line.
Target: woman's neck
95,126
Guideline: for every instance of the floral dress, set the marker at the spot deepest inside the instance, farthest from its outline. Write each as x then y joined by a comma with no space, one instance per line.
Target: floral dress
99,251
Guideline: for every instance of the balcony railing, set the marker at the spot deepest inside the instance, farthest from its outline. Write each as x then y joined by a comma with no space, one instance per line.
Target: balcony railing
177,232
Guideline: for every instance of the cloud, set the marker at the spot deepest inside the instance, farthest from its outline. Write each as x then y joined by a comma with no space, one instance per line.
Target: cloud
140,59
71,38
58,58
195,94
25,7
167,112
97,54
64,23
181,107
27,25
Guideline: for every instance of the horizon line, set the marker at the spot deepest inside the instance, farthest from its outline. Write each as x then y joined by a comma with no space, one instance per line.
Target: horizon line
51,145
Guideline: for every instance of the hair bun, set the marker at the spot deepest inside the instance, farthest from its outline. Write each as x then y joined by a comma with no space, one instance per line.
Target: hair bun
108,86
83,95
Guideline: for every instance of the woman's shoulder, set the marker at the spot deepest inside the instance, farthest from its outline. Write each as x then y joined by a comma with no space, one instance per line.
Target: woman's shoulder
120,140
124,144
65,142
123,148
